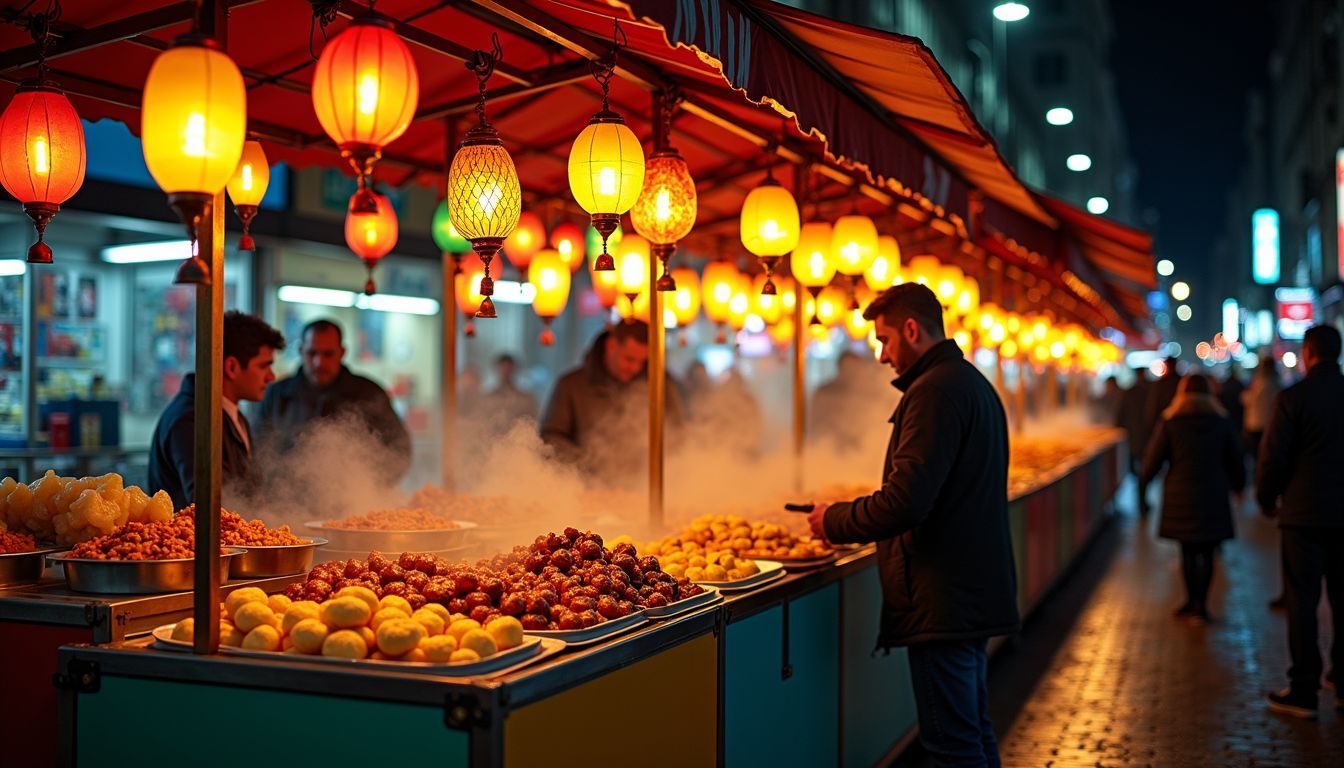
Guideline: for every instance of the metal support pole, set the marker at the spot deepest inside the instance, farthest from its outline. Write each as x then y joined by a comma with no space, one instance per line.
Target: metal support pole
448,383
209,427
657,365
800,332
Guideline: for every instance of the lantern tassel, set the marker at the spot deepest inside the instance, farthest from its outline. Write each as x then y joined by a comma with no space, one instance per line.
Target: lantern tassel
605,224
547,335
245,214
664,254
40,213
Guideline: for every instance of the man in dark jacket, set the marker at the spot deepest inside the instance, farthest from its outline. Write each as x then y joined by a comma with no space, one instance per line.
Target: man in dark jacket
1130,417
1160,395
1300,480
249,351
945,554
597,416
325,389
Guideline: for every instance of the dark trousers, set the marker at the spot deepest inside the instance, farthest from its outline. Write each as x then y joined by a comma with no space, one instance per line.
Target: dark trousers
952,699
1309,555
1253,446
1197,568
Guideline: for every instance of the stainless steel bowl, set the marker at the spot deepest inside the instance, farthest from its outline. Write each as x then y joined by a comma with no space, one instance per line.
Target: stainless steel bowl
135,577
24,567
284,560
366,541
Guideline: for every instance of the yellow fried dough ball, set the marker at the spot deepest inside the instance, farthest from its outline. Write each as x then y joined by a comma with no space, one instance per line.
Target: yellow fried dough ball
238,597
309,634
370,637
506,631
463,655
415,655
461,627
695,573
386,614
185,630
279,604
431,621
438,648
480,641
395,601
345,612
263,637
249,616
230,635
363,593
400,635
715,573
298,611
345,644
286,644
442,612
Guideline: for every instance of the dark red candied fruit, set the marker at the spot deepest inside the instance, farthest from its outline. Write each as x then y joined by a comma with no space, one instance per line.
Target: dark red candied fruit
582,603
590,550
625,562
407,559
589,618
397,588
492,587
570,620
294,591
467,582
353,568
457,605
416,600
625,548
533,621
657,600
513,604
417,580
608,607
648,563
317,590
377,562
536,562
562,559
480,613
477,599
438,588
392,572
424,563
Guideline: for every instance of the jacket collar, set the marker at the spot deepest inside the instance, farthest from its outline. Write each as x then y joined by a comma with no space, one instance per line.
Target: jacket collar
304,383
1324,369
941,352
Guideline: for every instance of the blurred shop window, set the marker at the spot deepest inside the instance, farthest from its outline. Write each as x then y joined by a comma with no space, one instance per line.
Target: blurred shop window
12,424
1050,69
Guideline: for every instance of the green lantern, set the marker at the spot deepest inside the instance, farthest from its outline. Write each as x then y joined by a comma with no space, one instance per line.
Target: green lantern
445,234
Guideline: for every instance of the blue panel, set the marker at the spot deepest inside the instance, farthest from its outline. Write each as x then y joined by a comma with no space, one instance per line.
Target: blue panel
879,703
769,720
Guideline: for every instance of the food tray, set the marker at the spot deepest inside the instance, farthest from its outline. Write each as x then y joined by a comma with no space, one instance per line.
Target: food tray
801,564
710,596
135,577
283,560
24,567
596,633
358,539
770,570
532,649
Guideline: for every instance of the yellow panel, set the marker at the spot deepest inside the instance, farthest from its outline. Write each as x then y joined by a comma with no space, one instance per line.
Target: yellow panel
658,712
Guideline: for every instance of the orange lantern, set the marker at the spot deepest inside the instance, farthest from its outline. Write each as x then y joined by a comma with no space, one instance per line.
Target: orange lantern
248,187
769,225
767,306
924,270
467,286
42,156
567,240
739,307
832,303
885,270
604,282
365,90
855,325
717,290
632,265
372,236
853,244
549,275
781,333
525,240
684,304
665,210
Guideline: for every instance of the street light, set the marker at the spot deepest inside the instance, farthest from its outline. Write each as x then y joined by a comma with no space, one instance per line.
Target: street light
1180,290
1005,14
1183,313
1011,12
1059,116
1165,268
1098,205
1078,162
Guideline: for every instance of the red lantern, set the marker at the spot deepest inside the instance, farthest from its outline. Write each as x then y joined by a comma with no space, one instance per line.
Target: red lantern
525,240
41,156
567,240
372,236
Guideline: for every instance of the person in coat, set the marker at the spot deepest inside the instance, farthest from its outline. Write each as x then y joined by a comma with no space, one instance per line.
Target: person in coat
1198,445
1130,417
249,352
324,389
1259,401
940,520
597,415
1160,395
1300,480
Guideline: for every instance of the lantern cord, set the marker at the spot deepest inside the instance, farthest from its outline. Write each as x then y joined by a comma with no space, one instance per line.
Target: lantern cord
604,68
483,65
324,13
672,99
38,24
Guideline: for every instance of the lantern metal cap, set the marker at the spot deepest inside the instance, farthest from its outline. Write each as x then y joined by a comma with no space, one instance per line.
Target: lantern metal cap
372,19
482,134
606,116
40,84
196,40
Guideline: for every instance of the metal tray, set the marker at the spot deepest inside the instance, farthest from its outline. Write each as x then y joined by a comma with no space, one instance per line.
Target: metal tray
769,571
533,649
268,561
709,597
595,634
366,541
24,567
135,577
802,564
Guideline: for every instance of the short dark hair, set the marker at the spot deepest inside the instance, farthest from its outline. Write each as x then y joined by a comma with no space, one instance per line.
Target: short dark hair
1197,383
506,358
908,300
322,325
245,335
1323,341
630,330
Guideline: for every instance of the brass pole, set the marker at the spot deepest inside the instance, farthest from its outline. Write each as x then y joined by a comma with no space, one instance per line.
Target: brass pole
800,332
207,468
448,386
657,398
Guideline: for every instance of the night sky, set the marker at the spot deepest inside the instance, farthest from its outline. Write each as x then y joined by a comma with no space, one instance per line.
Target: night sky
1183,70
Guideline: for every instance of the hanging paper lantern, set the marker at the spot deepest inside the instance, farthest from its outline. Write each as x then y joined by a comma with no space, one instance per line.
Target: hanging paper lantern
781,333
467,286
604,283
924,270
632,265
855,326
767,306
42,156
853,244
684,303
886,266
567,240
739,307
445,234
769,226
968,298
606,170
811,261
193,123
947,284
526,239
372,236
832,303
365,91
718,285
549,275
665,210
247,187
636,309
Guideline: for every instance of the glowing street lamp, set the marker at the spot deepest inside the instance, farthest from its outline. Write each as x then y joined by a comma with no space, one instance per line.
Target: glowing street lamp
1010,12
1059,116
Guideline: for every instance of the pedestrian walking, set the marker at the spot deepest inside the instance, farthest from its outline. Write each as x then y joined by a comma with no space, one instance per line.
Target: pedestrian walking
1259,400
1199,446
1300,481
1160,395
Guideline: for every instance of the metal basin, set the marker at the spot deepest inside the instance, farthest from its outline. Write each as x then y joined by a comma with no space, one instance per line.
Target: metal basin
24,567
366,541
136,577
284,560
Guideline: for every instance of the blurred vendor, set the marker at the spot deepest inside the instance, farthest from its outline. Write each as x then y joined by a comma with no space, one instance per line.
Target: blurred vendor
598,414
249,352
324,389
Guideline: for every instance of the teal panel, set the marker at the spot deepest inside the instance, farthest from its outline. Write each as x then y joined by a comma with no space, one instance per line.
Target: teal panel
768,720
878,701
1064,523
1017,518
132,721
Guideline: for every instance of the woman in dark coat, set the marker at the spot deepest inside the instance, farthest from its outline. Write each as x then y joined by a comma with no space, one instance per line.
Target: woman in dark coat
1199,445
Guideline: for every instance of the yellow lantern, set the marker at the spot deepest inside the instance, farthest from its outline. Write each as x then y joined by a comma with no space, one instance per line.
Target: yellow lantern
632,265
719,280
968,298
247,187
739,307
811,261
193,122
782,332
767,305
886,266
549,275
963,339
853,244
855,325
924,270
665,210
988,316
606,169
832,304
947,284
684,304
1013,323
769,226
1008,350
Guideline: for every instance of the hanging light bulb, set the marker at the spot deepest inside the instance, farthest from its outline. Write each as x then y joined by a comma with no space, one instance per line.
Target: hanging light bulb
606,165
526,239
372,236
549,275
193,123
445,234
567,240
247,187
484,197
365,91
886,266
42,155
467,286
769,225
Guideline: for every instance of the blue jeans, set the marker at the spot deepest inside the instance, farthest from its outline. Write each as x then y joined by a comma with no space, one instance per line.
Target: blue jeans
952,699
